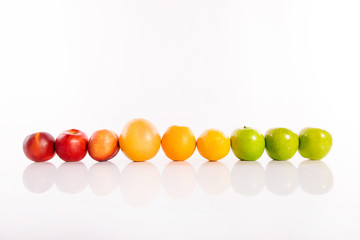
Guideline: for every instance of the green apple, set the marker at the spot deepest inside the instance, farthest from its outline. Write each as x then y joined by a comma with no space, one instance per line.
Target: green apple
281,143
247,143
315,143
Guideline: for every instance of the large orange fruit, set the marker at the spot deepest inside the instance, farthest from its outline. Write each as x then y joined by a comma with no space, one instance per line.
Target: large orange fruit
178,143
213,144
139,140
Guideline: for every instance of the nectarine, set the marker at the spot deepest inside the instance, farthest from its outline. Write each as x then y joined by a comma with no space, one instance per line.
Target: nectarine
71,145
39,147
103,145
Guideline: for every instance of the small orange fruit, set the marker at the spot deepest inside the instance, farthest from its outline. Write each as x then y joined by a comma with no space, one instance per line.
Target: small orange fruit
178,143
139,140
213,144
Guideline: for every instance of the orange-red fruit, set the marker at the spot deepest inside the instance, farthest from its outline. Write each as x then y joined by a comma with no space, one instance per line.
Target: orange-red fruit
103,145
178,143
139,140
39,147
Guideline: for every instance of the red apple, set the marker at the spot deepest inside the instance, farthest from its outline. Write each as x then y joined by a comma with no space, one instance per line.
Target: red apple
39,147
103,145
71,145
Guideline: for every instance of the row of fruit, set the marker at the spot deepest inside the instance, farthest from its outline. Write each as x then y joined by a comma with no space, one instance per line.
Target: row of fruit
140,141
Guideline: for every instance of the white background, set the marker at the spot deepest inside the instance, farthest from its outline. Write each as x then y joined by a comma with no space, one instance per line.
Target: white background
204,64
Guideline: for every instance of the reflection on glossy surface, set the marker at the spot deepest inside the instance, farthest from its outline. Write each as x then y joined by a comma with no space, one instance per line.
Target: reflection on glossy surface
281,177
213,177
140,183
39,177
71,177
248,177
315,177
178,179
103,178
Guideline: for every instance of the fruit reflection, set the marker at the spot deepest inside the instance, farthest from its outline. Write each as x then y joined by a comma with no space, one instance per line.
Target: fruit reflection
103,178
39,177
315,177
178,179
71,177
281,178
248,178
213,177
140,183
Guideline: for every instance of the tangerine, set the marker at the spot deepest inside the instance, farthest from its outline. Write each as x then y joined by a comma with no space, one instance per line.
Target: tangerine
213,144
178,143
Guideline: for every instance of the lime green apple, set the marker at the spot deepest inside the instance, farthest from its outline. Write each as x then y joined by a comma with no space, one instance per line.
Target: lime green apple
281,143
247,143
315,143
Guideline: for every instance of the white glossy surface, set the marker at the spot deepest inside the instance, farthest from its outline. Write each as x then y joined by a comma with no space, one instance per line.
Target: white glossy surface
119,198
204,64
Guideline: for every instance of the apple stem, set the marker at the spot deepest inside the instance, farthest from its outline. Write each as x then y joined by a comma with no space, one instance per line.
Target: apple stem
73,131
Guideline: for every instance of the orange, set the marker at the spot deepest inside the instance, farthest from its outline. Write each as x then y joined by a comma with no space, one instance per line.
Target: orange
213,144
139,140
178,143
